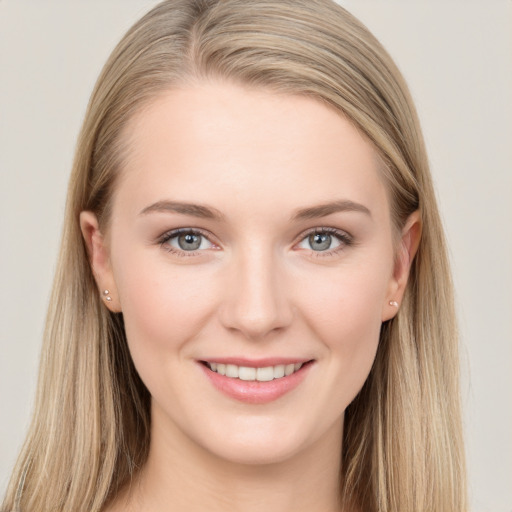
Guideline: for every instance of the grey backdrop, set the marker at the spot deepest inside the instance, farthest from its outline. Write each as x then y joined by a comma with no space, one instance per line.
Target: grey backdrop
457,58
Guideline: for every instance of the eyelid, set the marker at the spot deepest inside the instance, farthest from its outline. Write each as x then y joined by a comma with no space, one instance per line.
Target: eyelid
325,229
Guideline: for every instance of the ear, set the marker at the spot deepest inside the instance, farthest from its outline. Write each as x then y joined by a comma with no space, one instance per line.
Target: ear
408,245
99,259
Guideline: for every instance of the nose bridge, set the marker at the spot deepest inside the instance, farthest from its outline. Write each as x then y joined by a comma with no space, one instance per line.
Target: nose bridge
257,301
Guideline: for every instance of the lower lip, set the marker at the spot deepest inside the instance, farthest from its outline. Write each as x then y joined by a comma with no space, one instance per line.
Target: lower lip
255,392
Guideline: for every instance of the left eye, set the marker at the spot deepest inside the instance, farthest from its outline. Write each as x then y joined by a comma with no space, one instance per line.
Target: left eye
320,242
188,241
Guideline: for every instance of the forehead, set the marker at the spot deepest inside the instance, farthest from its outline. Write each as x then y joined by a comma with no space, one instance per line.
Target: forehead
237,144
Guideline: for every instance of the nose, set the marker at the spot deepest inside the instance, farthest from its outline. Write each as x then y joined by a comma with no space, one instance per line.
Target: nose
256,301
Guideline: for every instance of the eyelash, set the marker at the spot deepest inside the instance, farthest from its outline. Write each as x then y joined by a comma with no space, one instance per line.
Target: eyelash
343,237
162,241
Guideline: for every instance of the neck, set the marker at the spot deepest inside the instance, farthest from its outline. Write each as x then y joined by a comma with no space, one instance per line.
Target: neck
180,475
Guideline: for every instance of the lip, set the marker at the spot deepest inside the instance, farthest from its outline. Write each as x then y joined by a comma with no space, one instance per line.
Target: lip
256,363
256,392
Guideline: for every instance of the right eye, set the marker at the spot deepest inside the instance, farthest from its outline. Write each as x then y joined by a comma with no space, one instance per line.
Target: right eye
185,241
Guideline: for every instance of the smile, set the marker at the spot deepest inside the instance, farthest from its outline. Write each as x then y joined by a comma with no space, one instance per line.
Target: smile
246,373
256,382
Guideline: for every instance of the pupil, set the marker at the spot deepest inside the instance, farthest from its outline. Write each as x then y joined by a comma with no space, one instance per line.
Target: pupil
189,242
320,241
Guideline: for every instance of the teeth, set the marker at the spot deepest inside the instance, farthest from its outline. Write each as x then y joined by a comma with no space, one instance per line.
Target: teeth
264,374
289,369
245,373
232,371
279,371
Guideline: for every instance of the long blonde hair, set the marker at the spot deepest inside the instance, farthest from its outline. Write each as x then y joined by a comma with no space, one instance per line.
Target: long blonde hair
402,441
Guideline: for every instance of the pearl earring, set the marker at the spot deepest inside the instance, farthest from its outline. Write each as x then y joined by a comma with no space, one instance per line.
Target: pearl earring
393,303
106,293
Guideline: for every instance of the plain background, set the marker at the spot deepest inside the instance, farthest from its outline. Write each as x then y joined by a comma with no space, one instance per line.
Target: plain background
457,58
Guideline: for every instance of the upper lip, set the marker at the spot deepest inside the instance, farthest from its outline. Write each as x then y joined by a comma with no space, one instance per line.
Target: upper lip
256,363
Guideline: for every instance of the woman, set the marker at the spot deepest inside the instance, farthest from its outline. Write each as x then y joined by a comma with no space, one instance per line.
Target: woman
252,307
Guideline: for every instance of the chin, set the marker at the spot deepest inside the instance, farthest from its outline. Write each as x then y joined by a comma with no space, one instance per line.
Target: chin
261,442
256,454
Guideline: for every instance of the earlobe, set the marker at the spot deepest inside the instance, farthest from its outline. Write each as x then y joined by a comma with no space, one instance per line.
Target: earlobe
99,259
408,246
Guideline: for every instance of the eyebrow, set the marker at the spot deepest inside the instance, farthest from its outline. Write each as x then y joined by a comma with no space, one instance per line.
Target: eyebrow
195,210
205,212
325,209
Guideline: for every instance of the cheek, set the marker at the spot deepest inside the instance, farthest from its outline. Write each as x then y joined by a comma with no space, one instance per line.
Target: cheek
347,299
345,314
156,300
160,321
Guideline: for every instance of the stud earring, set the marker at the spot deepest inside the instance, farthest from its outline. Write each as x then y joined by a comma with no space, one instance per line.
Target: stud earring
393,303
108,298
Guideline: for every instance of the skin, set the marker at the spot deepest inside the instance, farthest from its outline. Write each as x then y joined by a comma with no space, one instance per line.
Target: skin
256,288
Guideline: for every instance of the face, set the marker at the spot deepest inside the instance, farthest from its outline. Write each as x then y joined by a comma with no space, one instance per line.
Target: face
250,235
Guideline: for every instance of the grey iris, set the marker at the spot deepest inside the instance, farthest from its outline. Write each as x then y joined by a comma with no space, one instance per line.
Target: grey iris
189,242
320,241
